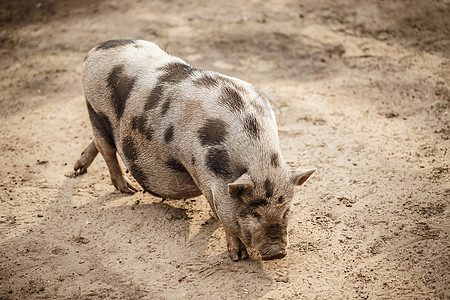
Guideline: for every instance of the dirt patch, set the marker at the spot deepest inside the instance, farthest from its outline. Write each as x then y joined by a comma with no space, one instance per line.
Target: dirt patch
361,92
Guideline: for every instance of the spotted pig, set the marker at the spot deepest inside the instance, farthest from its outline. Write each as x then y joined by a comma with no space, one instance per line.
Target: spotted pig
183,131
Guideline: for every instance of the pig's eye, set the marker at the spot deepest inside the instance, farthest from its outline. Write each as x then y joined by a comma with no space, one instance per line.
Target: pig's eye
258,202
247,212
256,215
286,214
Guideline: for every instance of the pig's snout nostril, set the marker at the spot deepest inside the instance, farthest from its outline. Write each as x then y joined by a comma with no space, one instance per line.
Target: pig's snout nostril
274,254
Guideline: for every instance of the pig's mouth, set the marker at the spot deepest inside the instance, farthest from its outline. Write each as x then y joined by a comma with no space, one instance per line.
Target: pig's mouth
274,251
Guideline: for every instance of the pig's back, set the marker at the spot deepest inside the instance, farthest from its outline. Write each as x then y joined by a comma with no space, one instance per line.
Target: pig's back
176,127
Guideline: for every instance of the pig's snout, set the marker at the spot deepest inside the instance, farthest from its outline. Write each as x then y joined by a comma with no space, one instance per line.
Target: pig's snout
274,251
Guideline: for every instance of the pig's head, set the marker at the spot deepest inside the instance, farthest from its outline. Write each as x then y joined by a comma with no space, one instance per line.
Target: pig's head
262,210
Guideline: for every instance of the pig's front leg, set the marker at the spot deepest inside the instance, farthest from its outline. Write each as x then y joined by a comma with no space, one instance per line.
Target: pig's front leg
236,248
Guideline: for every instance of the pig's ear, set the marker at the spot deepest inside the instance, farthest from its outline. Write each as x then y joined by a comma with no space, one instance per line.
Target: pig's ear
299,177
241,185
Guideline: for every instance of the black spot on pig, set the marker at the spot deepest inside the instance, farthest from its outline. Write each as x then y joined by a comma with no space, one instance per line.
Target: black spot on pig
280,199
175,72
165,107
129,149
140,124
154,98
193,161
218,161
172,73
252,127
207,81
130,153
274,160
231,99
139,175
213,132
258,202
168,134
102,125
114,44
268,187
120,85
175,165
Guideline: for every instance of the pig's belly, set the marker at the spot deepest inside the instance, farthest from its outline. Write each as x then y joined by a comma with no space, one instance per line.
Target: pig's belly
161,175
165,183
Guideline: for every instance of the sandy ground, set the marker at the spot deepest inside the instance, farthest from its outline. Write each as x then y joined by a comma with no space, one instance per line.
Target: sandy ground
361,91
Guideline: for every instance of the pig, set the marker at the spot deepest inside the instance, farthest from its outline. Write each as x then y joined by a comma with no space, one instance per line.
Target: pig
183,131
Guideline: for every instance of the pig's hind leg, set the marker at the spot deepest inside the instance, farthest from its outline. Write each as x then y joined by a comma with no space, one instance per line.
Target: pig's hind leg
86,158
118,179
104,143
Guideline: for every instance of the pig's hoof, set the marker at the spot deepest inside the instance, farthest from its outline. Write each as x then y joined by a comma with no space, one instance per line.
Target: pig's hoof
80,168
234,255
129,189
244,254
236,248
238,254
87,156
125,186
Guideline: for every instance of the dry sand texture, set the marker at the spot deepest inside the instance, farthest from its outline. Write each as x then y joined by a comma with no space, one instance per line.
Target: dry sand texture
361,90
